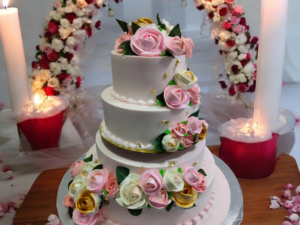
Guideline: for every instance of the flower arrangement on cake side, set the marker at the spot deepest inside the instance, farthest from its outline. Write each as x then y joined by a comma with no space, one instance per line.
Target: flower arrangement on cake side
183,135
231,33
56,68
145,38
93,187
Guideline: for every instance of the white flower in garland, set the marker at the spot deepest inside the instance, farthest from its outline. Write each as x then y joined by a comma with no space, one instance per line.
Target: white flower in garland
44,75
65,32
224,35
43,41
55,16
244,48
68,9
232,55
241,39
55,68
249,68
53,82
65,23
217,2
77,23
57,45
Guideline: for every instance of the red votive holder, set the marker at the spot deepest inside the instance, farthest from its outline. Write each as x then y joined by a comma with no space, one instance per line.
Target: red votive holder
43,133
250,160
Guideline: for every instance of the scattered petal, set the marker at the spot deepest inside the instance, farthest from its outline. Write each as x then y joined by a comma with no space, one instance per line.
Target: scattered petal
277,199
3,207
293,217
296,199
286,223
5,168
7,175
289,186
287,194
53,220
298,189
274,205
288,204
22,196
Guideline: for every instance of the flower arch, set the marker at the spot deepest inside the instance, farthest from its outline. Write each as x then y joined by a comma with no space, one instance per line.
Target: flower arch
239,49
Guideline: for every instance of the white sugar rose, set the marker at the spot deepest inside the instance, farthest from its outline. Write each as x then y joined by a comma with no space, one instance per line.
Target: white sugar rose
131,195
77,23
55,68
64,23
88,167
57,45
173,181
241,39
53,82
71,42
169,27
77,184
170,144
185,79
75,60
44,75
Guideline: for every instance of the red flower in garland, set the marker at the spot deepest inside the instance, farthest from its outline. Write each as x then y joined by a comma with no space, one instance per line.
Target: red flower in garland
243,21
89,31
49,91
63,76
230,43
90,1
53,27
252,87
226,25
242,88
78,82
34,65
223,11
200,7
211,15
231,90
44,63
244,62
235,69
117,1
223,84
69,56
37,47
71,17
254,40
52,56
98,24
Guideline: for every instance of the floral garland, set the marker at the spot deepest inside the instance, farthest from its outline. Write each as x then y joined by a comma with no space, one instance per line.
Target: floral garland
183,135
231,33
69,24
93,187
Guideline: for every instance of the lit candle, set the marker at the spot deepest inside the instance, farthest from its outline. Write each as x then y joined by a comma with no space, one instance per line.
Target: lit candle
270,63
14,56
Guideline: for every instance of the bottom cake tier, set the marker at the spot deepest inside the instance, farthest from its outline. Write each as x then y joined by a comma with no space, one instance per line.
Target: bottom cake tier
210,208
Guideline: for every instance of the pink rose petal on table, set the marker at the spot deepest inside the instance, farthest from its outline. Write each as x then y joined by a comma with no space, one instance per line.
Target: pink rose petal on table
274,204
298,190
22,196
53,220
288,204
8,175
277,199
293,217
5,168
296,199
287,193
3,207
289,186
286,223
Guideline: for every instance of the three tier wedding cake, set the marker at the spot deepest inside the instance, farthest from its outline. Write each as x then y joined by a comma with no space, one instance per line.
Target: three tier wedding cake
153,166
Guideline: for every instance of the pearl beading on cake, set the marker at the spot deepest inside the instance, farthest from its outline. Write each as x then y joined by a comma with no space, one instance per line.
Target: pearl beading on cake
195,221
136,146
130,100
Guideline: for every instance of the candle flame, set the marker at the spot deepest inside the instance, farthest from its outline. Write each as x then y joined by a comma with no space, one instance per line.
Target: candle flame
247,125
5,3
37,99
255,125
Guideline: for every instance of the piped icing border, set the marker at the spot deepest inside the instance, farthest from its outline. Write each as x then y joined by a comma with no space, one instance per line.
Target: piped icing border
130,100
196,220
138,147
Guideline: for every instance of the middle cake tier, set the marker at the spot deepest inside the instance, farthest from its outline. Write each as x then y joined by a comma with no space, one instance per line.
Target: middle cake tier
135,127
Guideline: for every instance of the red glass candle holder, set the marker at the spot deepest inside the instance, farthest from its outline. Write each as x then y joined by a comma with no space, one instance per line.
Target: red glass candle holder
43,133
250,160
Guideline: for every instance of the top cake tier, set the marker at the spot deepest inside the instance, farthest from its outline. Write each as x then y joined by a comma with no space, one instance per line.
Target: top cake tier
141,79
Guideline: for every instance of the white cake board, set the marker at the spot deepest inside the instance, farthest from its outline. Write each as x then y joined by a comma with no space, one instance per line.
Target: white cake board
227,190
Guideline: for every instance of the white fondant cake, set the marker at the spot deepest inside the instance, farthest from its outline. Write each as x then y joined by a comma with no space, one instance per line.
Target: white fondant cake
142,175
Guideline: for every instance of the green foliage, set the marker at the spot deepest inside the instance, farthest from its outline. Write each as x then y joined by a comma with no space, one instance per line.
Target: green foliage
175,31
170,206
172,82
122,173
163,26
98,167
202,172
135,212
158,143
167,132
123,25
134,27
161,99
169,54
180,148
195,114
89,159
127,48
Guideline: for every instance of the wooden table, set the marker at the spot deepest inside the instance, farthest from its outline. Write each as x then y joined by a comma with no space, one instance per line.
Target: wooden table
41,199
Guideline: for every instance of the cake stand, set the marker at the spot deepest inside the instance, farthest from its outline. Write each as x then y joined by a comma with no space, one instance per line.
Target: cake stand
229,183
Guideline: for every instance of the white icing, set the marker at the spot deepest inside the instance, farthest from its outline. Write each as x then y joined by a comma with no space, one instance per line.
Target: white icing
130,100
121,142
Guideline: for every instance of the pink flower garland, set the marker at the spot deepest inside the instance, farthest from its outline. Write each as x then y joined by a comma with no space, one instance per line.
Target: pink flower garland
236,44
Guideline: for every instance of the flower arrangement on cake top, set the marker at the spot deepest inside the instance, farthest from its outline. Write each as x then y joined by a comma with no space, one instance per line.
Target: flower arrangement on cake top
145,38
231,33
93,187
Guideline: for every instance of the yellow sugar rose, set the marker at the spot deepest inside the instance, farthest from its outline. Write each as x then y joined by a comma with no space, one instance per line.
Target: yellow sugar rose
185,198
203,134
144,21
86,201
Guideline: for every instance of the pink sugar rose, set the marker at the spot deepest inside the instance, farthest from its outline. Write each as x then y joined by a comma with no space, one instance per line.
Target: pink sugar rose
176,45
68,201
200,187
179,130
194,125
75,170
239,29
159,200
237,10
85,219
125,37
112,187
151,182
148,41
191,176
188,141
96,181
176,97
194,94
189,44
235,20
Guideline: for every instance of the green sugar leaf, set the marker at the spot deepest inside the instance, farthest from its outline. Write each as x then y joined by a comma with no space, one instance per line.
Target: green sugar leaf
135,27
170,194
172,82
195,114
167,132
161,172
170,206
175,31
149,206
161,99
127,48
202,172
169,53
179,170
123,25
184,122
122,173
135,212
89,159
98,167
180,147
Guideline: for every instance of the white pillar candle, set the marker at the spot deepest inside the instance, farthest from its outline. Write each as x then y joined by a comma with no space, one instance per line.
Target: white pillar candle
270,63
14,56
